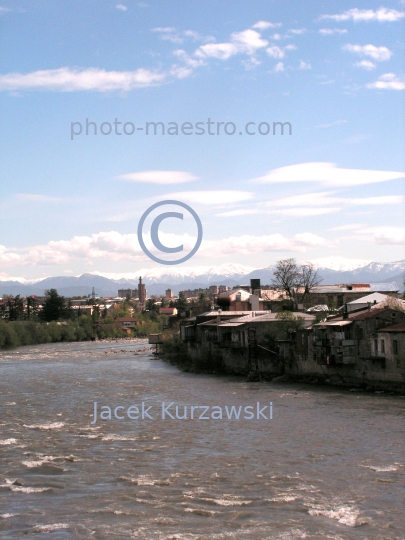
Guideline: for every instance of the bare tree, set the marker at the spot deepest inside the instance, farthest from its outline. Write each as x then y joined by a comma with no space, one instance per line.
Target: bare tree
296,280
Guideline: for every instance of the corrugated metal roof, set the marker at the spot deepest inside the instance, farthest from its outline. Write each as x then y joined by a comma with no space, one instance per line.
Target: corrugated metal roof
385,287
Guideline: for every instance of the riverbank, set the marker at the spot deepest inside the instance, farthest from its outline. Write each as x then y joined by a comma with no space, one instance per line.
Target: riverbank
211,366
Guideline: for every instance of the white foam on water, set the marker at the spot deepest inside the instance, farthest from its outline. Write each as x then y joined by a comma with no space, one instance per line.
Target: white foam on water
51,527
387,468
6,516
8,441
347,515
283,498
53,425
24,489
114,437
11,403
201,512
37,463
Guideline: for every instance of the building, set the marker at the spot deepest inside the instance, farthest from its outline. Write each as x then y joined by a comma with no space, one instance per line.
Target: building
128,293
244,298
169,311
127,323
338,295
363,347
169,294
142,292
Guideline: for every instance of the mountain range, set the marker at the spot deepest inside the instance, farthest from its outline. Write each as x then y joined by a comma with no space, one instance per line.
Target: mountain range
157,280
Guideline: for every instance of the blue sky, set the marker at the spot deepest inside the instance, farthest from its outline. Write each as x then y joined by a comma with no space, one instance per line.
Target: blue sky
333,188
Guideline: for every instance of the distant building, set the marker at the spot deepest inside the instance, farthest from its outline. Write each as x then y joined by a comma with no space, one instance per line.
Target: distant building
169,294
168,311
127,323
141,291
128,293
337,295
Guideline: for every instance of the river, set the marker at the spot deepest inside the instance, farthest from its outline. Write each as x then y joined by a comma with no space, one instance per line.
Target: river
330,464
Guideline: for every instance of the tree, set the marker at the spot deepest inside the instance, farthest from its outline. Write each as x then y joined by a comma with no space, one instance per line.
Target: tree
16,308
181,302
54,307
296,280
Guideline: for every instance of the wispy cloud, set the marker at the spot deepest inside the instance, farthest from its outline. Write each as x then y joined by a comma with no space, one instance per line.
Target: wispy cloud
327,174
366,64
359,15
279,67
91,79
332,124
36,197
388,81
384,235
121,7
332,31
263,25
159,177
214,197
304,65
380,54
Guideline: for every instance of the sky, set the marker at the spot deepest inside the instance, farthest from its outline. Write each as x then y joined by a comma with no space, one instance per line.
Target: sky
299,151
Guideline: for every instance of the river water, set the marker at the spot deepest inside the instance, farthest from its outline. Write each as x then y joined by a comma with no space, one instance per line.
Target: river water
330,464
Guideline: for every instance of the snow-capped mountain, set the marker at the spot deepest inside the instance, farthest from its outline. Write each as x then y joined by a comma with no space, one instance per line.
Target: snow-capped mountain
180,274
157,280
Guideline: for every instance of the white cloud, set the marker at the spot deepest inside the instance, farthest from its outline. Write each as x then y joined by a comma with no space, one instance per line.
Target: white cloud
348,227
388,81
380,54
159,177
385,235
212,197
247,41
36,197
115,246
298,31
222,51
381,200
249,244
327,174
336,123
304,65
279,67
275,52
382,15
263,25
332,31
121,7
366,64
91,79
163,29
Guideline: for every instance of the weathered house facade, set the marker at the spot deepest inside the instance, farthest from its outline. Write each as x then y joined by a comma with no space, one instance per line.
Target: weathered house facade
366,346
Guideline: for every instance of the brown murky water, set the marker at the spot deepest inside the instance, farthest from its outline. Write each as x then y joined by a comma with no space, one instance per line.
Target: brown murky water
329,465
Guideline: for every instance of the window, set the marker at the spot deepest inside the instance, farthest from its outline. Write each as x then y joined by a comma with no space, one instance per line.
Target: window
375,347
383,345
395,346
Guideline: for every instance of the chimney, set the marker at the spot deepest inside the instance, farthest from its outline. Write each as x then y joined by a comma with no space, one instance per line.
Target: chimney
345,313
